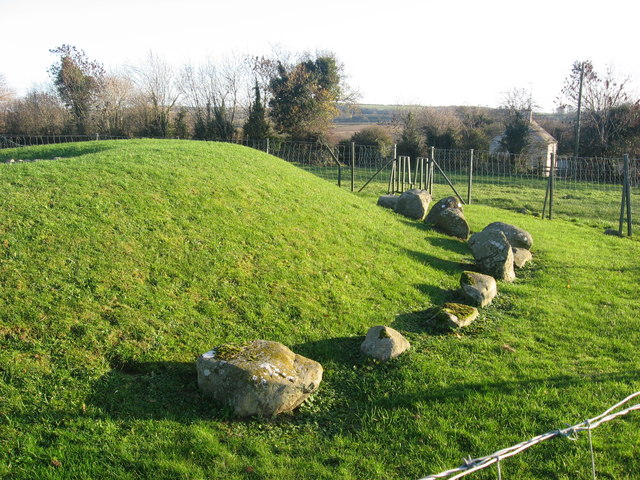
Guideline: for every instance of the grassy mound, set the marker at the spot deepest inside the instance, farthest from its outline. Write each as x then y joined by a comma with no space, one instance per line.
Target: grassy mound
121,262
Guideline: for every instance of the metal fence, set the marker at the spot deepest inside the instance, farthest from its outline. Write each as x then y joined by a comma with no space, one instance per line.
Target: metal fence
585,189
14,141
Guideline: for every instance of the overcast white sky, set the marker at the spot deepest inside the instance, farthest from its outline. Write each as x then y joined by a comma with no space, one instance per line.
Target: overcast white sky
395,52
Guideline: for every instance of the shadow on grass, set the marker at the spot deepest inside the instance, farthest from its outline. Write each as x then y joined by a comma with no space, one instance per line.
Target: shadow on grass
63,150
461,392
447,266
454,244
152,390
340,350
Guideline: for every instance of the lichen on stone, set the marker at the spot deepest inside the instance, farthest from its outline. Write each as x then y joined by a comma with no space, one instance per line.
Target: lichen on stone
468,278
228,351
458,309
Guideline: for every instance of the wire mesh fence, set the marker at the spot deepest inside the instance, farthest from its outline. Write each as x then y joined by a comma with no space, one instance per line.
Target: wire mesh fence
586,189
15,141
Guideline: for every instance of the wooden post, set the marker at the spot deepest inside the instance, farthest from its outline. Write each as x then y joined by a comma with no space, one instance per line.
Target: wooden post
431,169
628,183
626,199
353,165
470,179
552,184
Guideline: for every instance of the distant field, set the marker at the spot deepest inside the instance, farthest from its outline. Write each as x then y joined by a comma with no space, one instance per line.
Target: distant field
122,261
344,131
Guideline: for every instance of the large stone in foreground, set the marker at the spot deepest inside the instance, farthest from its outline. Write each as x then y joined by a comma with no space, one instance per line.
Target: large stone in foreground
257,378
384,343
388,201
478,289
454,315
518,238
413,204
493,254
447,216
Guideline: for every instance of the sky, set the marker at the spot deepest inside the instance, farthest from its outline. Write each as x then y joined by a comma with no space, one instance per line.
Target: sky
426,52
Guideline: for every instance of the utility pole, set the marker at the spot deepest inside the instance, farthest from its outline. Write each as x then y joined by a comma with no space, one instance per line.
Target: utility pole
577,149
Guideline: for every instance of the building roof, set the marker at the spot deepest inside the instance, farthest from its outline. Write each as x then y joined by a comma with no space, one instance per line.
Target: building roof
541,133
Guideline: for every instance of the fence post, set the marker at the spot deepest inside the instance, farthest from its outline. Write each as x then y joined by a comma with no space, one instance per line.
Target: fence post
267,145
552,184
628,183
470,179
431,169
353,164
626,199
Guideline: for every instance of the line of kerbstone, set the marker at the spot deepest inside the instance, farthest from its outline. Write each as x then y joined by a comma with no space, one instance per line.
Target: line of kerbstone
478,289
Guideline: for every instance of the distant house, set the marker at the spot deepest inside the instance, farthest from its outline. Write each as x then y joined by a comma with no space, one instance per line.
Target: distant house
537,154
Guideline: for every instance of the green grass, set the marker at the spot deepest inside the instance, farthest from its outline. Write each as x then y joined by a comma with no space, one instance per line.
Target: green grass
122,261
591,203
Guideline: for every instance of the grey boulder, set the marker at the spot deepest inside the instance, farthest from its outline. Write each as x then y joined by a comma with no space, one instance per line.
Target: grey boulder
454,315
518,238
257,378
388,201
447,216
413,204
493,254
478,289
384,343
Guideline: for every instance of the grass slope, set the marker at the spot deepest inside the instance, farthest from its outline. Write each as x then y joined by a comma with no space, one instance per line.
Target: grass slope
122,261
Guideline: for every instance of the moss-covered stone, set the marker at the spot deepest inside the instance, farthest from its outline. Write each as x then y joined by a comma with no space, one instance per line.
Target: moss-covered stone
257,378
383,343
455,315
478,289
228,351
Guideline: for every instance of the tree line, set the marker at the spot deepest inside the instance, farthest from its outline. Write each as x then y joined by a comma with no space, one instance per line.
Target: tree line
290,95
296,96
609,124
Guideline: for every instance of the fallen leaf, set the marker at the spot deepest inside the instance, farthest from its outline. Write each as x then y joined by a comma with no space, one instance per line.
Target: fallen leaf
55,462
508,348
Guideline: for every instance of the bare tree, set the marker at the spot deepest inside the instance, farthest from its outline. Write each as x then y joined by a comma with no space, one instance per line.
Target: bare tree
157,83
6,93
441,127
113,105
39,112
216,94
605,97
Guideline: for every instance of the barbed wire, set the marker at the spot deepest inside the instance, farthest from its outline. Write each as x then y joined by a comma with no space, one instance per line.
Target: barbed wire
471,465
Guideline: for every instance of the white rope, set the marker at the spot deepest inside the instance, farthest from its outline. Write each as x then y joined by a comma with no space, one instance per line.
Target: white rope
472,465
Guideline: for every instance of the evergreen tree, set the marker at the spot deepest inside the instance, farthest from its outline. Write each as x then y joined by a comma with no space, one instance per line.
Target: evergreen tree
516,133
77,80
256,127
304,97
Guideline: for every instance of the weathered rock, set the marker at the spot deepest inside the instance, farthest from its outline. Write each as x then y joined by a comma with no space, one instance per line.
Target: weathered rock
413,204
447,215
388,201
478,289
257,378
384,343
493,254
518,238
454,315
521,256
